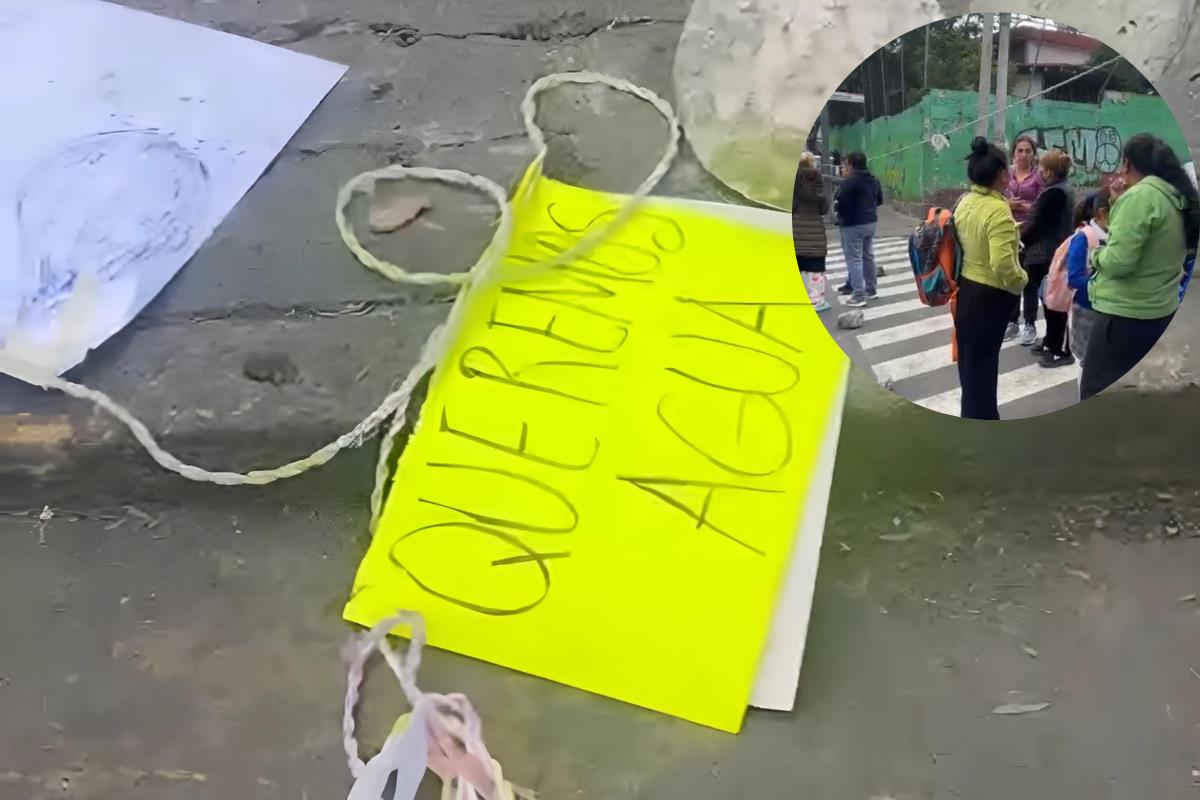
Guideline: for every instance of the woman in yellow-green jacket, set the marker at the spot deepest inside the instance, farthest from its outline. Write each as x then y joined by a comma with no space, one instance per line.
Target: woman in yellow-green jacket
989,287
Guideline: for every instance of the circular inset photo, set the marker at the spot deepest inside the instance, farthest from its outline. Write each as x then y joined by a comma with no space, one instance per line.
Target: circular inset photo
996,216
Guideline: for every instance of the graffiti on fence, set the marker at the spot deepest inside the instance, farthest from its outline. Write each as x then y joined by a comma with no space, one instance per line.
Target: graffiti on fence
893,179
1096,152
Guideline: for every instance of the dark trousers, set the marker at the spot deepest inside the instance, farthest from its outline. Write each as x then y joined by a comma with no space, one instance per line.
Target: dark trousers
1037,272
1115,346
1056,332
983,314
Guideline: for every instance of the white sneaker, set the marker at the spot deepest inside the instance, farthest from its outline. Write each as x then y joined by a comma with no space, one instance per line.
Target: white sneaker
1011,332
1028,336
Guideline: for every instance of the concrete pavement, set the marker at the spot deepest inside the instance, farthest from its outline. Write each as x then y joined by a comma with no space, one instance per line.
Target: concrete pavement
276,280
905,345
188,648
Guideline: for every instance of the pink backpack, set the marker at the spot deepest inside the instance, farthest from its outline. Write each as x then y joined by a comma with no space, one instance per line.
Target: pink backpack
1058,293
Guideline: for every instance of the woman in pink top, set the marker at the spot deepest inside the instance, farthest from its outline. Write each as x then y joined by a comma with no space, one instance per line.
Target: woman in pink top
1024,186
1025,180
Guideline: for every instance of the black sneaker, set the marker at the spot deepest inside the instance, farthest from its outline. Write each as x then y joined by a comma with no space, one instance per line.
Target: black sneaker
1051,360
880,271
846,289
1039,349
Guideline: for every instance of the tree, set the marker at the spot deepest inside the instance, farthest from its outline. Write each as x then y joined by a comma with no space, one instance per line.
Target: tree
953,64
1122,76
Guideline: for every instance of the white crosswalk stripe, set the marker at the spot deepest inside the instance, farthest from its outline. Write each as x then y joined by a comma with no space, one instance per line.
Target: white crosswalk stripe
939,321
896,264
898,290
1020,383
909,366
891,279
907,344
893,244
872,313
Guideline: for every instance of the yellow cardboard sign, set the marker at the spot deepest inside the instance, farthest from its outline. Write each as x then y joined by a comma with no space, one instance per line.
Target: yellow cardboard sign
606,481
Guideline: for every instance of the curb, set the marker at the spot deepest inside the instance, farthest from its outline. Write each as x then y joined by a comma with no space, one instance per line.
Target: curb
226,396
85,458
888,445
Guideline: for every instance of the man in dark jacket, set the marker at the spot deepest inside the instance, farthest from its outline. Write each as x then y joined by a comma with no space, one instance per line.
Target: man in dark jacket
857,205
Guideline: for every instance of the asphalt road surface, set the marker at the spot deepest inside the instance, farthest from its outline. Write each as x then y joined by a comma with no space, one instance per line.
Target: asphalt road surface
906,345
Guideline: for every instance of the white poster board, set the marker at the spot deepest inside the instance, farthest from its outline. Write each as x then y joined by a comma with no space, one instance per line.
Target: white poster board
127,138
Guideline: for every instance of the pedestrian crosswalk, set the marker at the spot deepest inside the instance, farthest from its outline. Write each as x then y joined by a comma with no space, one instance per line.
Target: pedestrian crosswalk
906,344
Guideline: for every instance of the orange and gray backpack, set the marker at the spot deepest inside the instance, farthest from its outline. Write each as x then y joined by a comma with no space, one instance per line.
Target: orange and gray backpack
936,257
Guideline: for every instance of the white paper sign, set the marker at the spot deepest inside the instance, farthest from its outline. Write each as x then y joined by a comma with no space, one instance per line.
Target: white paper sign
127,138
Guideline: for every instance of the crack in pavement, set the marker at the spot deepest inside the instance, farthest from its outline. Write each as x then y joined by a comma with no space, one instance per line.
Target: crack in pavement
402,148
559,29
565,27
454,143
266,311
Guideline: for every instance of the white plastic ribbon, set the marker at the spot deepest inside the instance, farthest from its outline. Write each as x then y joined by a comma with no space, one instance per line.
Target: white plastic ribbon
442,734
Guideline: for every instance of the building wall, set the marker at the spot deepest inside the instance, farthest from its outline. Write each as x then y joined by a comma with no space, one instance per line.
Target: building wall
1091,134
1054,54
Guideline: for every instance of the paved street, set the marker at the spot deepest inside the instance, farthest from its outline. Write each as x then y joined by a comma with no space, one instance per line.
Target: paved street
189,651
906,345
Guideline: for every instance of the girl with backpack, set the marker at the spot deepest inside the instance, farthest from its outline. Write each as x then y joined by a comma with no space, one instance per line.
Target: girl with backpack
1136,280
1047,227
1092,232
810,203
991,280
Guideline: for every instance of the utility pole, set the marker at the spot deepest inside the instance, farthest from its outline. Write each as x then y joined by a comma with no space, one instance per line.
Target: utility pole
903,86
865,80
986,39
827,170
826,136
925,76
883,82
1002,79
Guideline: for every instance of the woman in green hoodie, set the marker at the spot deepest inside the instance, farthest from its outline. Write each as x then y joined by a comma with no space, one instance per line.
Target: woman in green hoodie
1134,287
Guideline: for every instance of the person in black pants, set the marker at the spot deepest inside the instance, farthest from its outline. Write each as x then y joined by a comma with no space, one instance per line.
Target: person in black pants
980,334
1138,276
989,287
1050,223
